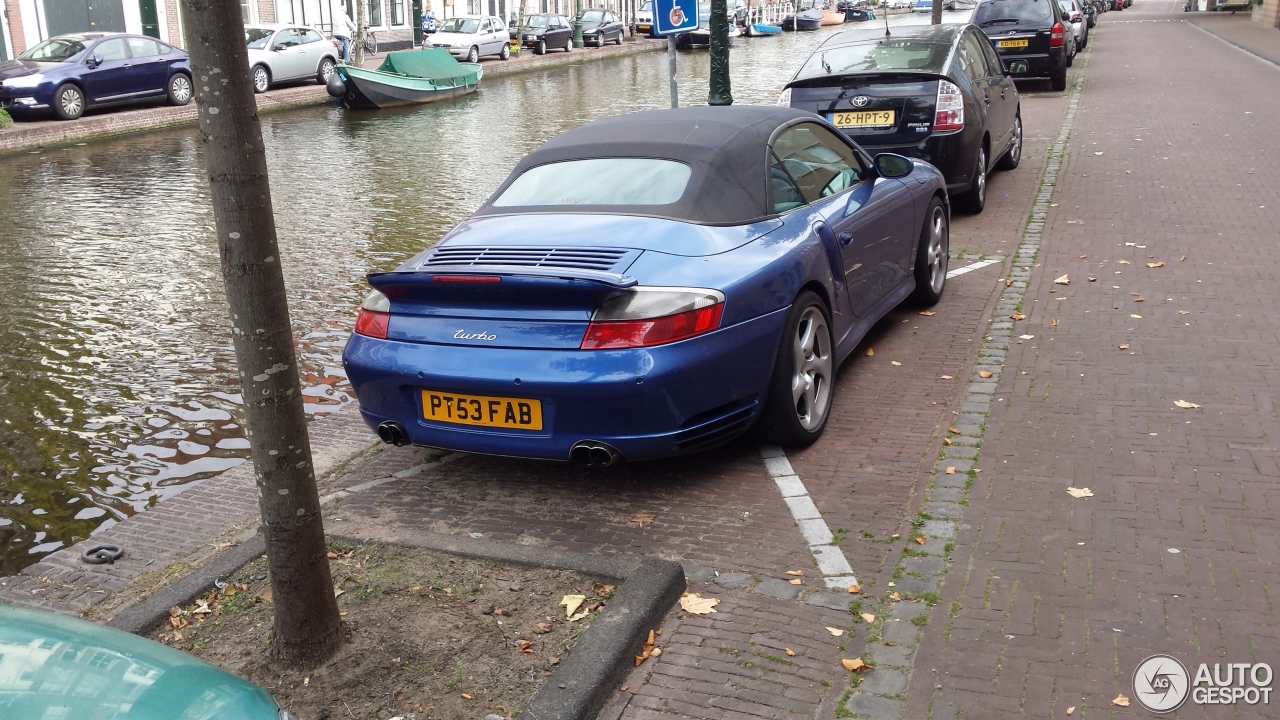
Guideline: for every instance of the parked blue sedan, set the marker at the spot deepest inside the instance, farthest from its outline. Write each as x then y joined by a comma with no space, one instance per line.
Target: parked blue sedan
648,285
71,73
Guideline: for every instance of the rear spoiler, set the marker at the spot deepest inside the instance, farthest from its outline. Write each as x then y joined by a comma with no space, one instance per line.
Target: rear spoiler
616,280
824,79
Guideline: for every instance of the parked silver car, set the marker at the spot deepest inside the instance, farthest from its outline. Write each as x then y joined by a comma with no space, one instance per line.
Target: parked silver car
471,36
280,53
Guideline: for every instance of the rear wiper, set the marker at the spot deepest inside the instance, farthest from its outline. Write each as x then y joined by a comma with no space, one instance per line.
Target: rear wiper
825,66
998,20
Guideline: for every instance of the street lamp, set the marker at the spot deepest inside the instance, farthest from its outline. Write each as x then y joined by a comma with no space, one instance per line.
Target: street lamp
720,93
577,23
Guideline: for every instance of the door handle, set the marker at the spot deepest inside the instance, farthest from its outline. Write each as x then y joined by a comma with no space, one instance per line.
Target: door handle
845,238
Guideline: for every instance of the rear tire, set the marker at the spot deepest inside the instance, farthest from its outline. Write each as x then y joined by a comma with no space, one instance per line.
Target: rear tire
1013,155
800,391
261,79
932,255
1058,82
68,102
179,91
325,71
568,45
618,40
975,199
506,52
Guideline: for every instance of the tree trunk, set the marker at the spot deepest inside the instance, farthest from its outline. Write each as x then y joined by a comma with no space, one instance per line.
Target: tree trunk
937,12
362,26
307,626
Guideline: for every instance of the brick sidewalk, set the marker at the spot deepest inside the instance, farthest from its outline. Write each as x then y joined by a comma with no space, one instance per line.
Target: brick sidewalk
1242,32
1052,601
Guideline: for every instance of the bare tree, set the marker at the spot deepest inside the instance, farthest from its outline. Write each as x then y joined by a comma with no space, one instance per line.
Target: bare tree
307,625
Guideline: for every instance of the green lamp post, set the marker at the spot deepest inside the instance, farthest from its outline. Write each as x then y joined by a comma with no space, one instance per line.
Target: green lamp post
720,92
577,24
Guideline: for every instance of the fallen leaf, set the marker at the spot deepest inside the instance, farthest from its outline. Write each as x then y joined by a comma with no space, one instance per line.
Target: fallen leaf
895,597
1123,262
1166,142
944,377
1098,152
265,594
951,470
1064,280
920,540
1071,709
1008,283
895,362
1184,312
928,313
789,652
871,351
797,573
647,649
985,374
1121,700
641,518
177,636
579,616
526,647
1083,257
854,664
1076,492
855,589
953,429
1026,337
869,618
1138,317
695,604
553,660
1137,139
1185,404
894,536
466,696
1155,264
1018,316
1053,322
1139,299
1072,222
796,581
835,631
331,555
1124,346
946,441
571,603
1184,257
1093,279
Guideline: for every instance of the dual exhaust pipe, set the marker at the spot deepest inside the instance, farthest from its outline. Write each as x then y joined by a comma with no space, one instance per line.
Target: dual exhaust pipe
584,453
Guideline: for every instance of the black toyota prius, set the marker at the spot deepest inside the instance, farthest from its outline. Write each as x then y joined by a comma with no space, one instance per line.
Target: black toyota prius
935,92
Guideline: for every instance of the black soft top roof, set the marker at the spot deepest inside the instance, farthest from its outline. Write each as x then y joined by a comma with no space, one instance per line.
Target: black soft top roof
725,148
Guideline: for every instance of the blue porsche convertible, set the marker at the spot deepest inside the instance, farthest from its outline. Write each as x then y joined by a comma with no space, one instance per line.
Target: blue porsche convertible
648,285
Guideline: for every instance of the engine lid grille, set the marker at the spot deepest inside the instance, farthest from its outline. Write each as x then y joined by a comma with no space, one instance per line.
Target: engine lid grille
578,258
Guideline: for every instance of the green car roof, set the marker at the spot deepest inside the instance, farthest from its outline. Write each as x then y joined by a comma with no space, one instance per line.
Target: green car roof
54,667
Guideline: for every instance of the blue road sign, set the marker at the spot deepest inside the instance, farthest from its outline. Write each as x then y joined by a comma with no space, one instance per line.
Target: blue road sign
674,16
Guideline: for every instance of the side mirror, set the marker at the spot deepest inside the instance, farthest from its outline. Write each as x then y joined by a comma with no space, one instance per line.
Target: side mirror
277,48
95,61
890,165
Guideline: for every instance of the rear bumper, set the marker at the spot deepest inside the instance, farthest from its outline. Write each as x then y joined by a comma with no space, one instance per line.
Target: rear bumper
646,403
946,152
1037,64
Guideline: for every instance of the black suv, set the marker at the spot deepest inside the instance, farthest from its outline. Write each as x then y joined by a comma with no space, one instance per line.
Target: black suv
1030,36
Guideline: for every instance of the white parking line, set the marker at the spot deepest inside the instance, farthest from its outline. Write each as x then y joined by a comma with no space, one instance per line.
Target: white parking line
975,266
831,560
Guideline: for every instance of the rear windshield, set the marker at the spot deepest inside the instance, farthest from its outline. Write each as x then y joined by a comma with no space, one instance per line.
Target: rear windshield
880,55
1012,12
599,181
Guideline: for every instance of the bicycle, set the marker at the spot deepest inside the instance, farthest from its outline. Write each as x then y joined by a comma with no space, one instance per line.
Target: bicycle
370,42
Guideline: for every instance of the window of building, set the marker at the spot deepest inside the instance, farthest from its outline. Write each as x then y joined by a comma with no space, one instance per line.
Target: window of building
397,12
375,13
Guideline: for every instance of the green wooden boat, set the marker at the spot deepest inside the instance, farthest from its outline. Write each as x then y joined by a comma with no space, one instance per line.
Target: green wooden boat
408,77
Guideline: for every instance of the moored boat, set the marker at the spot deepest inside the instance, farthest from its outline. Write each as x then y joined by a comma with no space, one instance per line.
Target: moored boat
763,29
832,17
810,19
408,77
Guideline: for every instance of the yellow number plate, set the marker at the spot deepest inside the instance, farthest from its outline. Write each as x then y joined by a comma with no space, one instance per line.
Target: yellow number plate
864,118
501,412
1011,43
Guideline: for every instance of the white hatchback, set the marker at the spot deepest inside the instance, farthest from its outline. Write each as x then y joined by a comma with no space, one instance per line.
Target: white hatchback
471,36
279,53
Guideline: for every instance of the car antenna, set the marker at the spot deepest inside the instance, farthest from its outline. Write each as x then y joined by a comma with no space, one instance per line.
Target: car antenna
886,21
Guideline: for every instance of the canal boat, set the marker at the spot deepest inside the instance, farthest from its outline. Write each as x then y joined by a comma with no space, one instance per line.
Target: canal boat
832,17
761,30
810,19
407,77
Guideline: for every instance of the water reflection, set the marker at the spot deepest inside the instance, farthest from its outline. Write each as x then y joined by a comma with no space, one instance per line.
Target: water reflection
117,387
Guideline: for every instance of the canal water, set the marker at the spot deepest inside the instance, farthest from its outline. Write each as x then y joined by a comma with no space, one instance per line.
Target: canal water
117,382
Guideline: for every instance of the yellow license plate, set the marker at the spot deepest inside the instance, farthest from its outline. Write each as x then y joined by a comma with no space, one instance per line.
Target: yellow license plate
863,118
1011,43
482,410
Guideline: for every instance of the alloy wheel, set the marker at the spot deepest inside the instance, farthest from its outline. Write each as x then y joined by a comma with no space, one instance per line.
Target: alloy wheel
326,70
812,364
1015,152
72,102
260,79
981,181
181,89
938,249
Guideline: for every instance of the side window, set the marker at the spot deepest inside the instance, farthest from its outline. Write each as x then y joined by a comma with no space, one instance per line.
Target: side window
821,163
485,26
979,58
287,38
993,60
310,36
783,193
142,47
111,50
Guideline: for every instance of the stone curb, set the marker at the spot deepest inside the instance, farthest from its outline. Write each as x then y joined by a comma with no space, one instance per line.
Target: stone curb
578,688
918,576
19,139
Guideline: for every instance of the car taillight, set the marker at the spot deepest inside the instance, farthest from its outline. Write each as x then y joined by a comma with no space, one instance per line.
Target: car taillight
949,111
1055,35
375,316
643,317
785,98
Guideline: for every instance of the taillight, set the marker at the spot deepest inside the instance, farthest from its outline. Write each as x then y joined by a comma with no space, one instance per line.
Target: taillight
1055,35
375,316
949,111
785,98
643,317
